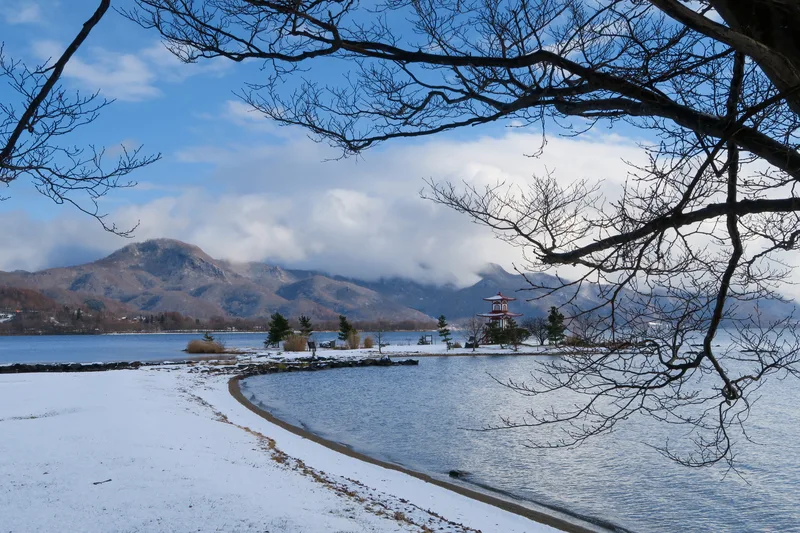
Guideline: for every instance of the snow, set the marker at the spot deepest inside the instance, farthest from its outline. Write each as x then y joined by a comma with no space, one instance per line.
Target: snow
406,351
499,298
166,449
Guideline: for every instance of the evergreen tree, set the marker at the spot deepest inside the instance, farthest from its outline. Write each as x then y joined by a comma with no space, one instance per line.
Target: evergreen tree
513,335
278,329
494,333
306,327
444,331
555,326
208,337
344,328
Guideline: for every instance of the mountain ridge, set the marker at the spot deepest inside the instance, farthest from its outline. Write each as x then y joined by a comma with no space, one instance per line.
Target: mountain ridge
166,275
162,275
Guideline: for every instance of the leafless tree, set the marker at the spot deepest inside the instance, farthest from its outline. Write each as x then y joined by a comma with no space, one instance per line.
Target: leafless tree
537,326
380,329
35,129
473,329
585,328
698,231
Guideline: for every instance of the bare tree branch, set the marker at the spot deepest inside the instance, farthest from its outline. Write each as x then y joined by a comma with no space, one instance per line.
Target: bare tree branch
692,244
28,141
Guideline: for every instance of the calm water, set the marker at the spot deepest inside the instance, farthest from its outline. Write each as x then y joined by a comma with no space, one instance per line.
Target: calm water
138,347
414,416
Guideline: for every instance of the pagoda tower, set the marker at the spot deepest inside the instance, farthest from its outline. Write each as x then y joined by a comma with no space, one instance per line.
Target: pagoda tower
499,312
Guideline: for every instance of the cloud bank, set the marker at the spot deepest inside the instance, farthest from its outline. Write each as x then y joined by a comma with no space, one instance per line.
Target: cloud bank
284,204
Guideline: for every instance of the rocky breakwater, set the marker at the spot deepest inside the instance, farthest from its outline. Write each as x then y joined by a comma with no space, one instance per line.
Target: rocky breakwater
222,366
20,368
246,370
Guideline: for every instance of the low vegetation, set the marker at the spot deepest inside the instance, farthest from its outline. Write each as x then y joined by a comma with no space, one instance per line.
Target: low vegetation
295,343
204,346
353,340
369,343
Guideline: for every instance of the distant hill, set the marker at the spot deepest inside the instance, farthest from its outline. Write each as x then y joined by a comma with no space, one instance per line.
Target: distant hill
165,275
13,298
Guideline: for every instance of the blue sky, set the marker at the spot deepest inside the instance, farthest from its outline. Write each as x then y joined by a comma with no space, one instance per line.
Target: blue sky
244,189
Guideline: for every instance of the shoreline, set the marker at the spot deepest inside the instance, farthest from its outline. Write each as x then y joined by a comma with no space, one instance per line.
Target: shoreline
477,354
541,517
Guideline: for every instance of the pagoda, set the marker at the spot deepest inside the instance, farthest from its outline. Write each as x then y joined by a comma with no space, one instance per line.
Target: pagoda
499,312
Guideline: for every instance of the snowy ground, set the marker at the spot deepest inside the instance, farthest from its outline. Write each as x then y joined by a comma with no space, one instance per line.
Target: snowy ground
165,449
401,350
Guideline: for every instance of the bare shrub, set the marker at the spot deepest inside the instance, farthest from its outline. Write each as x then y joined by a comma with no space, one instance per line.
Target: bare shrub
369,343
201,346
457,345
295,343
353,340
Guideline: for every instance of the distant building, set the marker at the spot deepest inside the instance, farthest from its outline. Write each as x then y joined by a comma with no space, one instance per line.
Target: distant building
499,312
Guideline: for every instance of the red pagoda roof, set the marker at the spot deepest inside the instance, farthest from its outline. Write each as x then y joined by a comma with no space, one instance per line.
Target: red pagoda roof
500,297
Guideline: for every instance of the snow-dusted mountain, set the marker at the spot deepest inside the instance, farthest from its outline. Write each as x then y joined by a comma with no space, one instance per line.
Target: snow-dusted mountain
168,275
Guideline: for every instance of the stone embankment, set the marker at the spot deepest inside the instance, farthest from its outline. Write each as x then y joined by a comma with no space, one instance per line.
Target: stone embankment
273,367
20,368
244,369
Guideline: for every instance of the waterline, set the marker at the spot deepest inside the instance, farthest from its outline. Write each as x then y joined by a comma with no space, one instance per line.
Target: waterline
545,515
412,416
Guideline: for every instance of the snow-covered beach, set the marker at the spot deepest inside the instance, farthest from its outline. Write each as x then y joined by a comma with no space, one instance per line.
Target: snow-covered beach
429,350
166,449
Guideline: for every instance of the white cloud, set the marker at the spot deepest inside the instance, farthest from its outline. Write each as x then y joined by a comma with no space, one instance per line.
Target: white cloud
125,76
363,218
241,113
21,12
283,204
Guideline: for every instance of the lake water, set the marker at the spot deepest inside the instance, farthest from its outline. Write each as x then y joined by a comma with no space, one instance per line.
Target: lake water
140,347
420,417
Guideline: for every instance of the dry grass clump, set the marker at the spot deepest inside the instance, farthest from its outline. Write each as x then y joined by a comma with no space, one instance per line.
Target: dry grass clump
295,343
201,346
369,343
457,345
353,340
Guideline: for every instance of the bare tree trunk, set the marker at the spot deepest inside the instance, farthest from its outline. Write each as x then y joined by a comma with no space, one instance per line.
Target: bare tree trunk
775,24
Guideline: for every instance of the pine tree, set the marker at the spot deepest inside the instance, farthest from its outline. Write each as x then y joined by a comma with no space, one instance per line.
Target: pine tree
512,333
306,327
444,331
555,326
344,328
278,329
494,333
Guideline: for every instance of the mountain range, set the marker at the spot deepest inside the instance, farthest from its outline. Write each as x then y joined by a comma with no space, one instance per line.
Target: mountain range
165,275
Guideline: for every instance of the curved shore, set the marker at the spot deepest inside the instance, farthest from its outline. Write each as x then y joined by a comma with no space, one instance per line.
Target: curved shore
549,519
